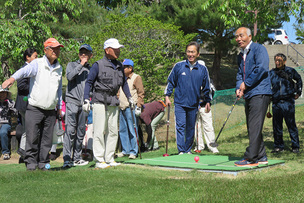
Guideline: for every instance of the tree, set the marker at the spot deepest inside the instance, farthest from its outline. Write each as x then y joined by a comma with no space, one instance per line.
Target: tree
218,19
232,14
23,24
153,46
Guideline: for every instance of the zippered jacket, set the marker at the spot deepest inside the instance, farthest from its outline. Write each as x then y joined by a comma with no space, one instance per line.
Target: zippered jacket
188,84
283,85
77,76
254,71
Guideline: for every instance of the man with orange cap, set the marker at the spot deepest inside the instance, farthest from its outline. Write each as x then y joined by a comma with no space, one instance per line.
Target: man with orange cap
45,94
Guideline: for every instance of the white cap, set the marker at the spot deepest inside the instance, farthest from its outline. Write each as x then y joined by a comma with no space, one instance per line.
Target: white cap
113,43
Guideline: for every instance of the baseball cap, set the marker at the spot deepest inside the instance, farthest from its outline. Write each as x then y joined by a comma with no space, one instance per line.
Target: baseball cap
87,47
128,62
52,42
113,43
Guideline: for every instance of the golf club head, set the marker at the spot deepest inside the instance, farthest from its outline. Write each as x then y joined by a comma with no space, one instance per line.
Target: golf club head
198,151
213,144
165,154
60,132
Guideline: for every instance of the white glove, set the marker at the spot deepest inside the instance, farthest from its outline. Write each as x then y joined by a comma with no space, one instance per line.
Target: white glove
86,106
137,111
131,102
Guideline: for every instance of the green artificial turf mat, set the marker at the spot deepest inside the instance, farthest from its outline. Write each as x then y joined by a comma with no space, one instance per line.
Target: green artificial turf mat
206,162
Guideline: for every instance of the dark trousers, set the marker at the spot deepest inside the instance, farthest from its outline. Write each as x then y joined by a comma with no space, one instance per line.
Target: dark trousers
286,110
185,126
38,145
255,109
75,120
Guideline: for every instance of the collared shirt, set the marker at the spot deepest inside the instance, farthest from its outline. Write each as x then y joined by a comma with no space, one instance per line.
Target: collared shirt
192,65
31,70
246,50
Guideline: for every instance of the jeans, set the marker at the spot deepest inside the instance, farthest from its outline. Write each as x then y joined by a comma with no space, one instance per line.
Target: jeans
4,130
127,133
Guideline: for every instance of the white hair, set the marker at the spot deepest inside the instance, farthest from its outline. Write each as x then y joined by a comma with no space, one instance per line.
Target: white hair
248,31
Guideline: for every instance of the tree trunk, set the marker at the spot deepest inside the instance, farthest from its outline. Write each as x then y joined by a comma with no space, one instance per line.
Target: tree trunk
216,69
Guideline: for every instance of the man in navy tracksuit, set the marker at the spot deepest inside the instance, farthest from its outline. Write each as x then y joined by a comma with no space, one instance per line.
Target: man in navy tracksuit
187,77
253,82
284,93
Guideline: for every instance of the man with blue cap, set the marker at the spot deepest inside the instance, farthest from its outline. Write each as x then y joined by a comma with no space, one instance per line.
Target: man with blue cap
127,132
75,118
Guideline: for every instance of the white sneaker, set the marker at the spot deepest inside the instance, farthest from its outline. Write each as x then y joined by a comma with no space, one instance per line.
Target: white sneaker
114,163
120,154
67,164
132,156
6,157
180,153
102,165
214,150
189,152
80,162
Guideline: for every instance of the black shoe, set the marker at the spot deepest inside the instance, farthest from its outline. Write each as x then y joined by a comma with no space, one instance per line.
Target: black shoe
21,152
295,150
21,161
277,150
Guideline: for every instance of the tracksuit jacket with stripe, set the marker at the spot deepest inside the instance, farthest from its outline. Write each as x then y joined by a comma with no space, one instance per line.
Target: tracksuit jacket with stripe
188,84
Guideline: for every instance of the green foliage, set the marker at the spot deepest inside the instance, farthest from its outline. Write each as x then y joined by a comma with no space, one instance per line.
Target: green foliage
17,36
153,46
300,33
23,24
218,19
270,14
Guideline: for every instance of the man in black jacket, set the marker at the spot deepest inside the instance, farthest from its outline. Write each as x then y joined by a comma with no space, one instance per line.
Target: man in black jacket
23,86
286,88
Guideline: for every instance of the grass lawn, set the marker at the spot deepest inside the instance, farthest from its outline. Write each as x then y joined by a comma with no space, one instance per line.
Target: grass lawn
135,183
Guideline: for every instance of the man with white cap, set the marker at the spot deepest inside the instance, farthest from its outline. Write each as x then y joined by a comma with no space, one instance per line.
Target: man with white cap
75,119
45,93
106,76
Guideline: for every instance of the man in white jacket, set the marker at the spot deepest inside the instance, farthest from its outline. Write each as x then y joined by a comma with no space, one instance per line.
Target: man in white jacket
45,93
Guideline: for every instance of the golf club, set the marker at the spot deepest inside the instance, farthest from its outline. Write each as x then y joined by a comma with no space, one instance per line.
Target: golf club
168,122
214,144
60,131
133,120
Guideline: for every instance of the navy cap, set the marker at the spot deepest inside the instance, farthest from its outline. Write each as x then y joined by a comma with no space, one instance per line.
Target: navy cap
128,62
87,47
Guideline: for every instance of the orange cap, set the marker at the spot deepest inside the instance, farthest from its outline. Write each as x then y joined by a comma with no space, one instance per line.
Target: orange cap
52,42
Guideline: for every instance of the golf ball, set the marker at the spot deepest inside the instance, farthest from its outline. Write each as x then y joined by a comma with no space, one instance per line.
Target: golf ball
47,166
196,159
25,98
